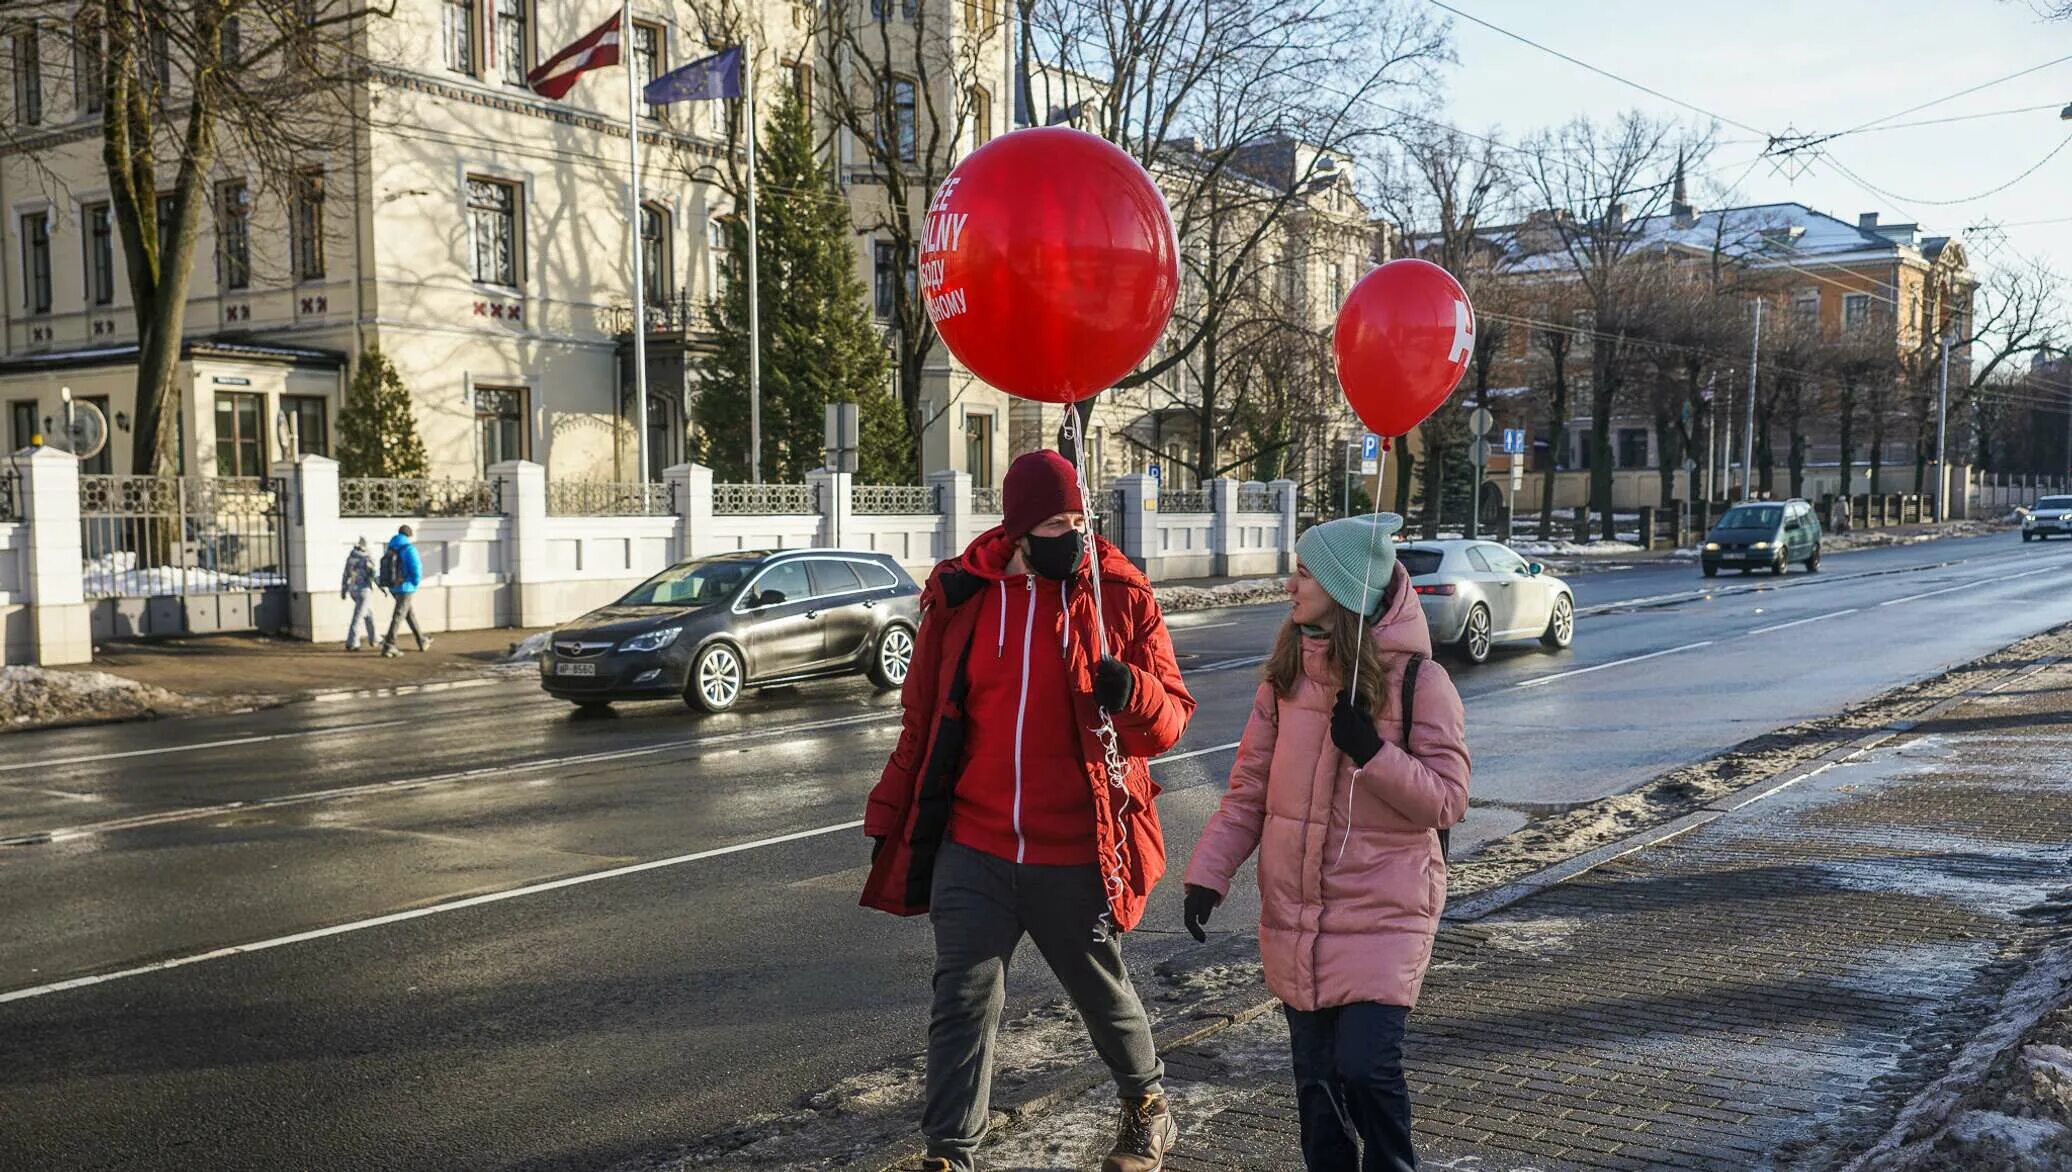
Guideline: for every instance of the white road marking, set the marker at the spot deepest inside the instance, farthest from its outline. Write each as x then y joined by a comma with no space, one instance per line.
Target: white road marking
1993,580
48,762
408,783
1583,671
1227,665
473,901
1835,614
1176,626
419,913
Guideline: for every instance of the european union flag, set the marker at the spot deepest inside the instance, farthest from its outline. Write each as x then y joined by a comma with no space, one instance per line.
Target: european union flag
706,79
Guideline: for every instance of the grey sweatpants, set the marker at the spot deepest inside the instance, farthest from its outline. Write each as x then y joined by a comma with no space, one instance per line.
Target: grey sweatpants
405,612
363,616
981,907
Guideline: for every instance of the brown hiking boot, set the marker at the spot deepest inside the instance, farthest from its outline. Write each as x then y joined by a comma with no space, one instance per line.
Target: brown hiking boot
1146,1134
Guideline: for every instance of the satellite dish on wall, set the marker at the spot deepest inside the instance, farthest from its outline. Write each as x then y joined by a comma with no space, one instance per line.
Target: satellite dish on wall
86,429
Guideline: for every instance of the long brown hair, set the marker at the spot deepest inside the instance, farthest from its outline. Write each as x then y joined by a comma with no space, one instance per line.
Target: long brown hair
1349,636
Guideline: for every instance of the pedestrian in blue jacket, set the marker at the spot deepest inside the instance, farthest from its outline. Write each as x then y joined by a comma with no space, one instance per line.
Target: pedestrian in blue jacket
407,570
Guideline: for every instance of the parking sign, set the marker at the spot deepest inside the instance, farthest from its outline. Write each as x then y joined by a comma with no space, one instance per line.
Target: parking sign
1370,454
1514,441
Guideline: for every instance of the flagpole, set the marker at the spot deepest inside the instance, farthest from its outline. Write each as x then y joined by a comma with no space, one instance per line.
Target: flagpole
640,403
755,332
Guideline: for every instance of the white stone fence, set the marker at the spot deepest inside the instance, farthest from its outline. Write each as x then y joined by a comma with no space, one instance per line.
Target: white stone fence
513,550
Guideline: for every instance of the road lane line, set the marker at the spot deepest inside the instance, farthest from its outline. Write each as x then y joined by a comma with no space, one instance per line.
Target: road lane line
1227,665
1536,681
475,901
1993,580
222,744
161,817
1802,622
420,913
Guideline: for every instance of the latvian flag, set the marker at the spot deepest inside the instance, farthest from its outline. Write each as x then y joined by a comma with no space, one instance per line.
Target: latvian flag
557,75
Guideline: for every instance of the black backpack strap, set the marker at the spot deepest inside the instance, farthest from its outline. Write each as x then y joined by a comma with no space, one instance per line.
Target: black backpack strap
1410,672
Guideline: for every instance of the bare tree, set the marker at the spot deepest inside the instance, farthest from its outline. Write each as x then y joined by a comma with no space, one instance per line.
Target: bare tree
1248,113
2018,311
1860,364
183,87
901,87
1598,183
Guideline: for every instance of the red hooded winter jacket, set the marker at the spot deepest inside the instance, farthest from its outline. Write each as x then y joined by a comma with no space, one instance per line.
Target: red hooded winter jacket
911,805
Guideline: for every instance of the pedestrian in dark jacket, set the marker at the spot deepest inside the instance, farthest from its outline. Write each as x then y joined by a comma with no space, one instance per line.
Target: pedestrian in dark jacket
409,572
358,584
1002,813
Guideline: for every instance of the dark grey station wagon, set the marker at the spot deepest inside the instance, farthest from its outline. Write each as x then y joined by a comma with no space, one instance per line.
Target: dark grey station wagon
708,629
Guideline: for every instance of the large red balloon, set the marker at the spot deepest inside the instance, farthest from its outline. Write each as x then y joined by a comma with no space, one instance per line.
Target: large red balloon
1049,264
1402,341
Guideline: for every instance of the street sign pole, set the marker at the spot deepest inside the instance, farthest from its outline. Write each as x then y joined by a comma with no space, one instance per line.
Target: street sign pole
1478,423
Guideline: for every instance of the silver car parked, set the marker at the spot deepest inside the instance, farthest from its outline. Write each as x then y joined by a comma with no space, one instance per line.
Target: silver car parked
1478,593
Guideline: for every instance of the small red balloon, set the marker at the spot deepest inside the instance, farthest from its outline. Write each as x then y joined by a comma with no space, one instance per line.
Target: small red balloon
1049,264
1403,340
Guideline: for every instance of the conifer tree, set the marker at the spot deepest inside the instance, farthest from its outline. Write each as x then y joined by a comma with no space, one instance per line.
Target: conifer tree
377,430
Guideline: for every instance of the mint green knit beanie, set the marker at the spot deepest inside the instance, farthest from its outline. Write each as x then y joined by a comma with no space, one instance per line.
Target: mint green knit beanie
1352,558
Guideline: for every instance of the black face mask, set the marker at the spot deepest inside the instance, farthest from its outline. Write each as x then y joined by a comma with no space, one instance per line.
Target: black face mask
1057,558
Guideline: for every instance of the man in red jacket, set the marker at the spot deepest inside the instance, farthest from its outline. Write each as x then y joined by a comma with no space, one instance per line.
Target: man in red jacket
1017,801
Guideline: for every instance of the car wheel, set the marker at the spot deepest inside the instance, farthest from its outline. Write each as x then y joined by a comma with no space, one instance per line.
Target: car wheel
1813,561
894,655
1474,636
716,678
2027,538
1777,566
1711,571
1561,629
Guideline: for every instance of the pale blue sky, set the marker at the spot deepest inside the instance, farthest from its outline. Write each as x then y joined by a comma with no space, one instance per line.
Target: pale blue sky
1813,65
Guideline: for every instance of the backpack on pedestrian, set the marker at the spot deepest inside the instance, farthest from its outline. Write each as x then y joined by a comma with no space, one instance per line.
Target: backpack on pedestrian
391,573
1417,662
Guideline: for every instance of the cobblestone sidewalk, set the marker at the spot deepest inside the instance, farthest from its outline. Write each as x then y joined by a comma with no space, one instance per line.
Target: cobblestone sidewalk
1770,989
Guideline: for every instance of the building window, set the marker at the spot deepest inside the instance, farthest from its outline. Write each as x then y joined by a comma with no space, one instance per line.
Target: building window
884,271
100,253
36,262
513,46
308,214
1337,286
459,35
234,233
21,424
1633,447
232,49
978,447
655,266
240,434
28,78
715,258
981,117
312,428
802,83
650,60
159,66
165,226
499,425
1856,310
493,226
89,60
899,119
1807,306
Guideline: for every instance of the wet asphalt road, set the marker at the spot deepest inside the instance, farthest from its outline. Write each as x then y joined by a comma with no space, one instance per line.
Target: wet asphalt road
466,928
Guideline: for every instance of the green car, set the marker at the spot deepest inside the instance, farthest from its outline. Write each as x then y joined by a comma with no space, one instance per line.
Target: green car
1763,534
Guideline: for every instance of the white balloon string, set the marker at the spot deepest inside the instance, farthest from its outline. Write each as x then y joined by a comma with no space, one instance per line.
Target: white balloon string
1116,866
1367,572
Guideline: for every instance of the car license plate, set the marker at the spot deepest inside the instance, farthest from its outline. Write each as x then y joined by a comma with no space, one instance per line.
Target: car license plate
575,669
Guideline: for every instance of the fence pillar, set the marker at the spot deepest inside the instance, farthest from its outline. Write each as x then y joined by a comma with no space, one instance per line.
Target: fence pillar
832,498
1581,525
1647,526
691,485
1284,499
523,486
1136,525
1223,541
315,548
955,527
60,621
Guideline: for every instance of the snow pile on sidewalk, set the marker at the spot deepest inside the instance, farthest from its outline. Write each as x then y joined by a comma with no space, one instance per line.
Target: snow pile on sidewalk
1879,538
528,649
1569,549
1249,592
117,574
35,696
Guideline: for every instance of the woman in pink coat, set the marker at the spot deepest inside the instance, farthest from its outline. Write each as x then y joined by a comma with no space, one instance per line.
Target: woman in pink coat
1344,810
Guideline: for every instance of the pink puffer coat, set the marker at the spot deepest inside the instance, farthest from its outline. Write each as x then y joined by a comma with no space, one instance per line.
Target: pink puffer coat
1338,928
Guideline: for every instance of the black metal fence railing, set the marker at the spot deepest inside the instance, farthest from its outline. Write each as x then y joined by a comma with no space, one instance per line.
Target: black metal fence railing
383,497
1258,500
1184,500
609,498
985,500
10,495
148,536
743,500
894,499
675,314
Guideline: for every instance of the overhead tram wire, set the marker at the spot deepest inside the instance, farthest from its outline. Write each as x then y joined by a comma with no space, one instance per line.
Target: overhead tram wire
2038,165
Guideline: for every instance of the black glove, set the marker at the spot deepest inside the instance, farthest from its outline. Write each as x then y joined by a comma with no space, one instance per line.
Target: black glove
1200,902
1114,683
877,844
1353,731
958,585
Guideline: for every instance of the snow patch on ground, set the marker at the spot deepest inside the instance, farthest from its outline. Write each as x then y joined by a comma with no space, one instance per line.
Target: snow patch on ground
1572,548
2020,1139
1248,592
118,574
35,696
528,649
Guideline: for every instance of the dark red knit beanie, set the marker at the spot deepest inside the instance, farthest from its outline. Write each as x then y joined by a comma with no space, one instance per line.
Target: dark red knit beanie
1038,487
